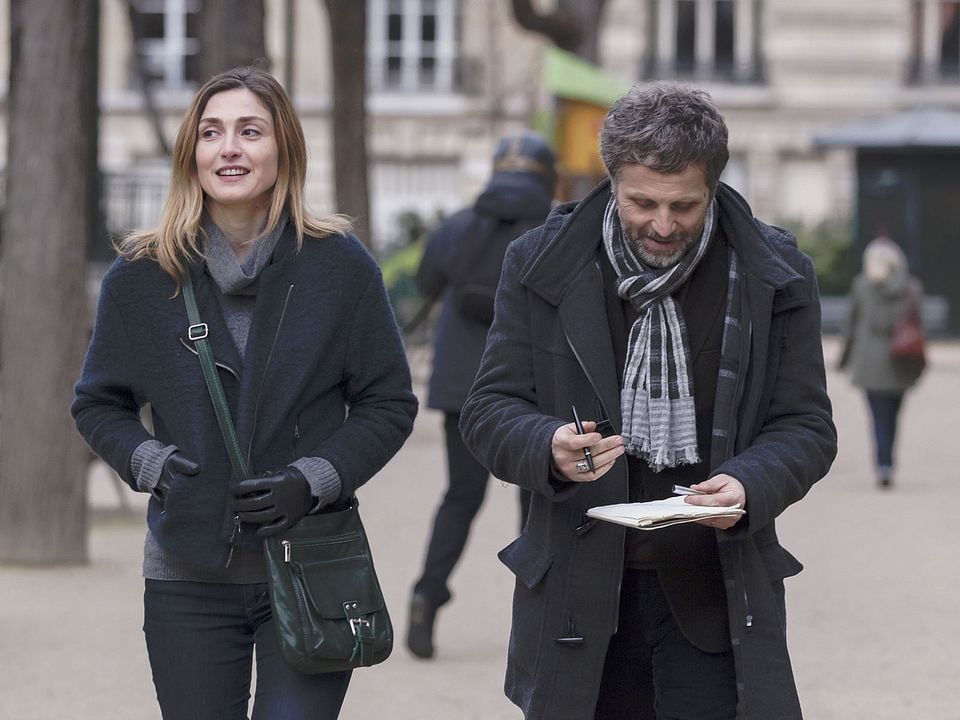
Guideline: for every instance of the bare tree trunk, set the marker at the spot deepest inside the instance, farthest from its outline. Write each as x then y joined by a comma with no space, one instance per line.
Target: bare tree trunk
348,40
231,35
573,26
43,321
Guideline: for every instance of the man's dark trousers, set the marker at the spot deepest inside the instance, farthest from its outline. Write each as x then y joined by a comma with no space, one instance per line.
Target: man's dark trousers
649,651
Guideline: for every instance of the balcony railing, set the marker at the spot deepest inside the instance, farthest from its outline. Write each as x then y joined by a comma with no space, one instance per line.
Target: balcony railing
133,200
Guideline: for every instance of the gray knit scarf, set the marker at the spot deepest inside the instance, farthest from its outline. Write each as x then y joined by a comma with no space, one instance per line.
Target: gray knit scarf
232,277
237,282
659,415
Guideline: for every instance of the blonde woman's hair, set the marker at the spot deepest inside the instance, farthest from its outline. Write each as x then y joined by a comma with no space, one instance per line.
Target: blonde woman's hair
175,240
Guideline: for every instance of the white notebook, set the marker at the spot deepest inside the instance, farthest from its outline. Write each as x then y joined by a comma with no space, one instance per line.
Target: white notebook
658,513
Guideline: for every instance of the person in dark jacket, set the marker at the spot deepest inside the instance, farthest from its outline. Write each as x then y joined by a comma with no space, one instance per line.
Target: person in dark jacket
461,264
880,296
687,334
301,332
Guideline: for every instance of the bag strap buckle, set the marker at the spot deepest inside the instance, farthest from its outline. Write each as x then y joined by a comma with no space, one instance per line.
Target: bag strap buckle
360,627
362,633
198,331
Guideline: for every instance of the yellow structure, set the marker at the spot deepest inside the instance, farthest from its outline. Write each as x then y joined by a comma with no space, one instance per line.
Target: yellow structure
582,94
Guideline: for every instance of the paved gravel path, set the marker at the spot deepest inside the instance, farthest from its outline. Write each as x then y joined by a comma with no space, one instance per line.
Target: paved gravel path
873,619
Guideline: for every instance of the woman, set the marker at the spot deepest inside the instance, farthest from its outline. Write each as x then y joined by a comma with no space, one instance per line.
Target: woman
879,297
301,330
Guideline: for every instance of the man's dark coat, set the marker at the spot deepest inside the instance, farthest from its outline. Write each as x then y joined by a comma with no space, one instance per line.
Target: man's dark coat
550,348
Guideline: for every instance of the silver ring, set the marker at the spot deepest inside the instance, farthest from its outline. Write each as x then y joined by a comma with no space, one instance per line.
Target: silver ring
583,466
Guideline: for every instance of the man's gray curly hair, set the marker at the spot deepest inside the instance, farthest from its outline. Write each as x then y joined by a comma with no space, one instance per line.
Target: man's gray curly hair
665,127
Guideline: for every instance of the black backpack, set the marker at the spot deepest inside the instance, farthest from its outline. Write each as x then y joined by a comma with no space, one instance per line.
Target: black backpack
478,262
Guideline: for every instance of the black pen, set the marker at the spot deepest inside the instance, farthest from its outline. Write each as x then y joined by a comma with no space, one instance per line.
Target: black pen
587,455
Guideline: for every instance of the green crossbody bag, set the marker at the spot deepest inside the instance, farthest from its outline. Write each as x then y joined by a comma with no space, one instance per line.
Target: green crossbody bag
328,608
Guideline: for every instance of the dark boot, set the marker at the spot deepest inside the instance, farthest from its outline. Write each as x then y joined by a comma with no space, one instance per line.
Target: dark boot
420,631
885,477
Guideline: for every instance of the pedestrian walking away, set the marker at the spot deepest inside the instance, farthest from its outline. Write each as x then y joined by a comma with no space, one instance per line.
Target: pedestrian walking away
301,329
685,334
881,295
461,265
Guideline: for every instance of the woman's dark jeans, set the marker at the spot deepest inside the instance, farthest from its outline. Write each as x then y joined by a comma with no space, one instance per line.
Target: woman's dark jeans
201,639
884,407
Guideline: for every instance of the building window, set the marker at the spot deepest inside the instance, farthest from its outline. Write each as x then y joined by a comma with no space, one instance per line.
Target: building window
413,45
425,186
166,41
704,39
936,41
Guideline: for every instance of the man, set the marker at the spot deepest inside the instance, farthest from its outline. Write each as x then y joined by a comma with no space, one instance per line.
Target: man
462,263
688,333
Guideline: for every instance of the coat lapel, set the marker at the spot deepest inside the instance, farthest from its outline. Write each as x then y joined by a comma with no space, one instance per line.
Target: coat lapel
771,286
566,275
760,302
225,352
583,317
269,360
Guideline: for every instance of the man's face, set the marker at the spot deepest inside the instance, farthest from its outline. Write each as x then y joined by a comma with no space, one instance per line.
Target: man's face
662,214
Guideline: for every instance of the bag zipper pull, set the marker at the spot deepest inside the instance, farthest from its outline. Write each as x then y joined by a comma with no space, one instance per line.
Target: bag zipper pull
233,535
286,550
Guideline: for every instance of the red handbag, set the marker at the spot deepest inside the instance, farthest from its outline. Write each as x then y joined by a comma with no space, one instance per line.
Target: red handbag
907,340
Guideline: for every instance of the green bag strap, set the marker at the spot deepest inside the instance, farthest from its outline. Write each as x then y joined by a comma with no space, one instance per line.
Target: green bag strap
198,332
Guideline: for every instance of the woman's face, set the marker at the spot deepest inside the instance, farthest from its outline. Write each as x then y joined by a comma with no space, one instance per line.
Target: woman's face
236,154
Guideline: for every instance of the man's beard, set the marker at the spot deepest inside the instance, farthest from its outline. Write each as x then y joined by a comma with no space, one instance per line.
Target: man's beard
636,236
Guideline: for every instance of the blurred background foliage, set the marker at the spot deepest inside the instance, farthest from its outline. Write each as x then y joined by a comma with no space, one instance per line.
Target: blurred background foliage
830,244
399,261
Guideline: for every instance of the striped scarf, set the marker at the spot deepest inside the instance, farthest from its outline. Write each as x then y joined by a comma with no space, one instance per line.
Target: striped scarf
659,415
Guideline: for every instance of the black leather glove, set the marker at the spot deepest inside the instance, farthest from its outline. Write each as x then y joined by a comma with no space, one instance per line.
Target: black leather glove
276,501
176,464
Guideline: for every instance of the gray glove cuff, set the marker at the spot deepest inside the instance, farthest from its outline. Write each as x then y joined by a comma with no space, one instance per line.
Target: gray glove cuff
147,461
324,480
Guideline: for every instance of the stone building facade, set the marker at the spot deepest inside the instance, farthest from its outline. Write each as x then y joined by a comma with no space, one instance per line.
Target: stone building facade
447,77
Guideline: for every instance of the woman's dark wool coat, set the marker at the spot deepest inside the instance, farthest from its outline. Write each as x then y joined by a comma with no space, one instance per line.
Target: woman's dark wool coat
548,349
324,375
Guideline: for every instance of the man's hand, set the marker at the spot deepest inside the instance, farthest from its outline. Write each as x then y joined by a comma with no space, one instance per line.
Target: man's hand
720,491
567,449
